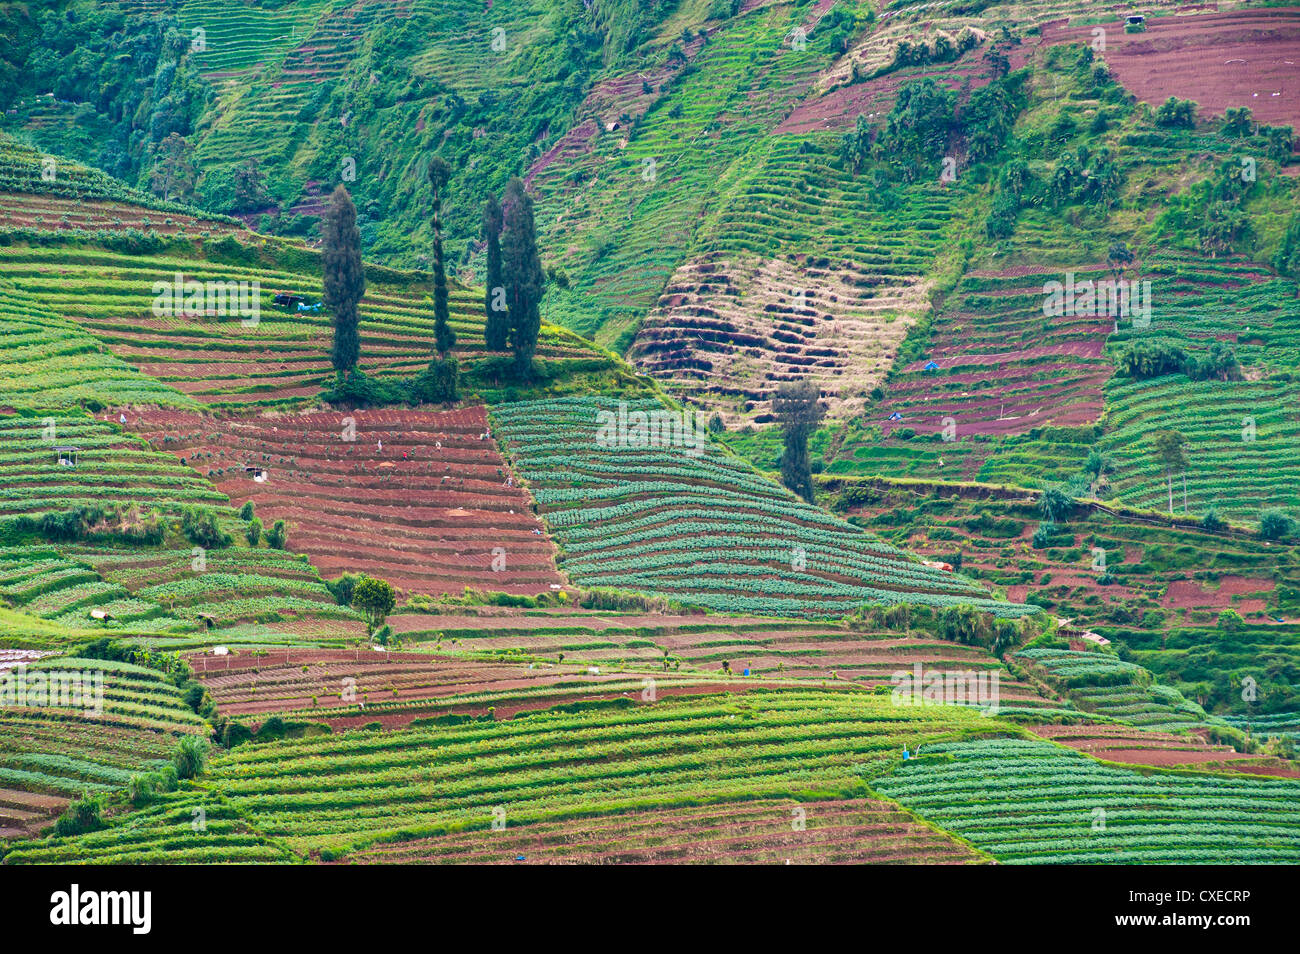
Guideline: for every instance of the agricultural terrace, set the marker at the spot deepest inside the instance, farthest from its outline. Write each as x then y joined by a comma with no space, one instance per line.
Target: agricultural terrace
50,755
226,358
1242,435
419,498
1154,586
40,192
803,274
1252,59
1032,802
238,584
358,789
1131,746
45,582
1099,682
765,648
768,831
702,527
110,468
164,833
50,361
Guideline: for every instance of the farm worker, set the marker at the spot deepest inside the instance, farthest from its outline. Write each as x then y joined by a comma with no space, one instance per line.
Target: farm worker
121,418
381,446
905,755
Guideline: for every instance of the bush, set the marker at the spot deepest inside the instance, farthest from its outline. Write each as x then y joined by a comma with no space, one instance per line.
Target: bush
277,535
342,588
201,528
1276,524
254,532
1176,113
1230,621
83,815
191,757
1213,522
246,511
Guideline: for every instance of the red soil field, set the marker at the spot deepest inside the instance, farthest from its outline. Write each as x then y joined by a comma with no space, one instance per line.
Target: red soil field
1140,747
434,511
1243,58
770,831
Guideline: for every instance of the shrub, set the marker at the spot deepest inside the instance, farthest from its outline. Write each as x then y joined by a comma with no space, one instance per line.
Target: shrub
83,815
1276,524
1230,621
191,757
277,535
254,532
246,511
201,528
1212,521
342,588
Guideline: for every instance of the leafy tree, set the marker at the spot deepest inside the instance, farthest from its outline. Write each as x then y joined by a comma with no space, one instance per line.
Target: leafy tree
444,337
917,128
1275,524
1170,447
798,409
1055,505
254,532
246,511
990,114
522,274
1230,621
173,173
1212,521
345,278
250,186
1236,122
855,146
1150,359
496,328
1225,225
375,599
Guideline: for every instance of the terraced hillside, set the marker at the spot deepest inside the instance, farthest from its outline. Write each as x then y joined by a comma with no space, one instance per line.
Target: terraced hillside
42,192
93,517
249,355
124,719
675,516
419,498
331,795
1080,811
758,832
1154,586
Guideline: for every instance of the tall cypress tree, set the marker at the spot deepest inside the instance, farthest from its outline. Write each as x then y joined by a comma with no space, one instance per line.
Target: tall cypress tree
797,408
345,278
444,338
496,326
522,274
